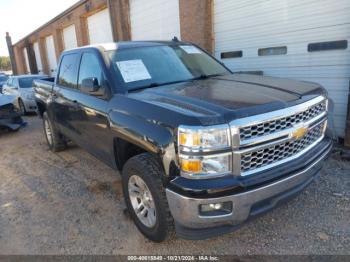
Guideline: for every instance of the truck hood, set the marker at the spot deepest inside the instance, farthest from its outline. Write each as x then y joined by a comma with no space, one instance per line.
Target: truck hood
224,98
6,99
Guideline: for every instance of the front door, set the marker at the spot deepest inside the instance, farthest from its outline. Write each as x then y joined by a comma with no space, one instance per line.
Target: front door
94,124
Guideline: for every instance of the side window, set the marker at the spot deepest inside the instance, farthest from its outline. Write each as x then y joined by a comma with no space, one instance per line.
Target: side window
14,83
9,82
91,72
68,72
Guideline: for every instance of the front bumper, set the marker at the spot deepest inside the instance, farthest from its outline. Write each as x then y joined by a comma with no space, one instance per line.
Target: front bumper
30,105
191,224
12,122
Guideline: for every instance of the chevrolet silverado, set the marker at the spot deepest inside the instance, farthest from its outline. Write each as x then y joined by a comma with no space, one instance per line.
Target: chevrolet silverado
200,149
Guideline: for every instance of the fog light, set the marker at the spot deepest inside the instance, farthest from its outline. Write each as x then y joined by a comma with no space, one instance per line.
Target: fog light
216,206
216,209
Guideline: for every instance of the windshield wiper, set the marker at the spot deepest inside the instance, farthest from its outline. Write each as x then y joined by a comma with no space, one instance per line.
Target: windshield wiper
155,84
206,76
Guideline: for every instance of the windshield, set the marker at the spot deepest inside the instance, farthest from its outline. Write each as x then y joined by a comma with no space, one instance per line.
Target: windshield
26,82
158,65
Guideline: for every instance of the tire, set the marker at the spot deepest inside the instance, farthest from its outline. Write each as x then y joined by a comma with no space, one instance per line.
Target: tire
22,107
146,168
54,139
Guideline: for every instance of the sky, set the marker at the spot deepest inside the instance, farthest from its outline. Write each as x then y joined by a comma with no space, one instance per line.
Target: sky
21,17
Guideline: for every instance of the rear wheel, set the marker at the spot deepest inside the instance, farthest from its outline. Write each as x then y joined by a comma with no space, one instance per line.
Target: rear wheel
145,197
22,107
55,140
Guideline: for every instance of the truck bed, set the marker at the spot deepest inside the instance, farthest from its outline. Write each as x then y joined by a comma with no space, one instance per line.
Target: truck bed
43,88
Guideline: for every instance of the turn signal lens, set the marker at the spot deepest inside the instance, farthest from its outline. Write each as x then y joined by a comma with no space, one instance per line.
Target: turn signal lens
191,165
206,165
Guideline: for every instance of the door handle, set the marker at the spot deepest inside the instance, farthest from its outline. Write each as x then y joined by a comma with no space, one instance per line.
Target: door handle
75,104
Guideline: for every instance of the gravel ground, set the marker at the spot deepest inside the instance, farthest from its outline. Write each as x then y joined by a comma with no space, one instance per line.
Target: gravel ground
70,203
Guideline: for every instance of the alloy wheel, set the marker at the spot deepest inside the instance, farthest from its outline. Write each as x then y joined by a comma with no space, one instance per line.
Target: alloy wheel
48,131
142,201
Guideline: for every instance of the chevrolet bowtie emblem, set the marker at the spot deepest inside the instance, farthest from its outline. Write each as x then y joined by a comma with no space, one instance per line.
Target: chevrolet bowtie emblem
299,133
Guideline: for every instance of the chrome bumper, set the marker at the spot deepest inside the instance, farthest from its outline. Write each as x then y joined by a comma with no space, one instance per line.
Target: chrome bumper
185,210
30,105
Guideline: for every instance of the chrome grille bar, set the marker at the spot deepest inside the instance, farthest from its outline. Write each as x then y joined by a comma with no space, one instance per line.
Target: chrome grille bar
275,125
256,160
271,145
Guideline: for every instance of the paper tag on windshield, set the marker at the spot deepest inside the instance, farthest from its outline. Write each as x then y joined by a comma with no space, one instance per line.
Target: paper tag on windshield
190,49
133,70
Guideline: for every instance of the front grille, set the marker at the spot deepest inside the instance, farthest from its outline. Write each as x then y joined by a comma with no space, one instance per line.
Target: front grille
278,152
266,128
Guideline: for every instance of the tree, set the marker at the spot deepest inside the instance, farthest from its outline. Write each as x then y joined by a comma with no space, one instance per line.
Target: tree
5,63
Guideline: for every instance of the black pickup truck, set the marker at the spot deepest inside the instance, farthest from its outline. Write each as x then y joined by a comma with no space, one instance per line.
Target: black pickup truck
200,149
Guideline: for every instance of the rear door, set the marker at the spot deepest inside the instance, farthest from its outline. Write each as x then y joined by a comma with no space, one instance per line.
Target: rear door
65,108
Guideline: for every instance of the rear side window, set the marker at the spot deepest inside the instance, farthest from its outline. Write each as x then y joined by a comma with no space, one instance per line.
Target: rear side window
68,74
26,82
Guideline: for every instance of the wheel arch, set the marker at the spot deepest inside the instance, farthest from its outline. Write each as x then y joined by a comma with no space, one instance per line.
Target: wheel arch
41,108
124,150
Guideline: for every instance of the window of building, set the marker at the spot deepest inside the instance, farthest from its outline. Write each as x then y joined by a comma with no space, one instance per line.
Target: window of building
326,46
278,50
231,54
68,73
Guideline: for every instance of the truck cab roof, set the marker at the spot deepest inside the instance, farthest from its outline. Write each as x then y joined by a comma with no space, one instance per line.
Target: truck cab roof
127,44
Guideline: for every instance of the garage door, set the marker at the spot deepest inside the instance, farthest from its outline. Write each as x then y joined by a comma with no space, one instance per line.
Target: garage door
39,64
155,19
51,55
300,39
69,37
99,26
26,60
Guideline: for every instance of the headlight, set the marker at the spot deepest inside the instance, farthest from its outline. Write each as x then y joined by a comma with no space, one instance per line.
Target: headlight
200,151
204,138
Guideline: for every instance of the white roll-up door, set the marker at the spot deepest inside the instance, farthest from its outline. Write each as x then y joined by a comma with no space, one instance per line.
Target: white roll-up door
69,37
99,27
51,54
26,60
154,19
39,64
286,29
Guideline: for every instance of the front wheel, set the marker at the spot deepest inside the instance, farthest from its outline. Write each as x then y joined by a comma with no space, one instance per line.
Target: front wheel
145,197
22,107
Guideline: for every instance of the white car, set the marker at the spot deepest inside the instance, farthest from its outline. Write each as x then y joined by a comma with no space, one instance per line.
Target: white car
21,87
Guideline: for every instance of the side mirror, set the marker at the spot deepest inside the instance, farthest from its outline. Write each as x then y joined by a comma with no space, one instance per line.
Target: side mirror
90,84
